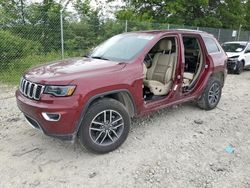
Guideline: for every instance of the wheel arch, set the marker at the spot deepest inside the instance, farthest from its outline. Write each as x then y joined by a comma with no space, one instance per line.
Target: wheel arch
220,76
123,96
243,61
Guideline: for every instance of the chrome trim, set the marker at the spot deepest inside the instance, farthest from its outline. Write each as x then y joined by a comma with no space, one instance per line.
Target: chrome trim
40,129
34,90
25,89
46,117
29,88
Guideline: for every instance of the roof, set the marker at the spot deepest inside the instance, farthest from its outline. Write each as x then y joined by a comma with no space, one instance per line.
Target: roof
182,31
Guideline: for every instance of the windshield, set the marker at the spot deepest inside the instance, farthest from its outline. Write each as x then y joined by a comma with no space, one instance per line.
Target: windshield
233,47
122,47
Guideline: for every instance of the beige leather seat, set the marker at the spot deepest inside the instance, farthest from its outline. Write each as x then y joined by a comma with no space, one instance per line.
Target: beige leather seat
159,75
187,78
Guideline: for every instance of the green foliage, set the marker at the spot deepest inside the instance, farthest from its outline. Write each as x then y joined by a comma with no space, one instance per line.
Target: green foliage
13,47
130,15
232,13
203,13
17,67
247,16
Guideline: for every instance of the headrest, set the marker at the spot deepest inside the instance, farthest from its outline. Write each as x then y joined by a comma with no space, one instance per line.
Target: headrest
165,45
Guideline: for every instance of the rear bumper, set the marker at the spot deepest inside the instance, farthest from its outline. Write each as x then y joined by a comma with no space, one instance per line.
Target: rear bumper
68,108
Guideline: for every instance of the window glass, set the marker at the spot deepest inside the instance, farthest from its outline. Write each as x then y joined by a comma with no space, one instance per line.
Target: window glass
211,45
122,47
233,47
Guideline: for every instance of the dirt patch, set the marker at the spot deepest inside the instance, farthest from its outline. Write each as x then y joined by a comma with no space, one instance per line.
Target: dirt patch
176,147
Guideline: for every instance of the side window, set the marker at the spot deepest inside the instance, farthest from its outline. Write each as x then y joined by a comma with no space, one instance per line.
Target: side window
211,45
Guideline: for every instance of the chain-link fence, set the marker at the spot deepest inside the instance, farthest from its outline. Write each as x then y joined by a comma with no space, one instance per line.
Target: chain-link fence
41,39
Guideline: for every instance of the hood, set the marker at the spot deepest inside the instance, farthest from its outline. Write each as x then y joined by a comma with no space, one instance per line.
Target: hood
65,71
232,54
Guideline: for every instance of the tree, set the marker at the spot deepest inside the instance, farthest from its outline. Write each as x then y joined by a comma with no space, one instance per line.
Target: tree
247,16
232,13
12,11
207,13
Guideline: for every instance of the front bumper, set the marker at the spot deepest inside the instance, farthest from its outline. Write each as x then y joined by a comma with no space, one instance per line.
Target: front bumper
232,65
67,107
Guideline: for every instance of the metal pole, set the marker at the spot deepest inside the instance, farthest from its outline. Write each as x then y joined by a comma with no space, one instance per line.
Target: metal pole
126,26
62,39
168,26
239,32
219,35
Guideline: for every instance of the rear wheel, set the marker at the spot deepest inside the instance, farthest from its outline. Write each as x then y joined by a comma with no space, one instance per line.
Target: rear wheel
239,67
211,95
105,126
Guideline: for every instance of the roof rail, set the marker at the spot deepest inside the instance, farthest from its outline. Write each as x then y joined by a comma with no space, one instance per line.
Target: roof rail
191,30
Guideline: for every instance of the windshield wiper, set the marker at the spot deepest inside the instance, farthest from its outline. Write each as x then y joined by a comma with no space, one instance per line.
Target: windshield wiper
99,57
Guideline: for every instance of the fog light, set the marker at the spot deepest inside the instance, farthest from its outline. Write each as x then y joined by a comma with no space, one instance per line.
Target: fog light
51,116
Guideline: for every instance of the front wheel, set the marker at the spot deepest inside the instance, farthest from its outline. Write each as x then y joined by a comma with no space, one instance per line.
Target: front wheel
239,67
211,95
105,126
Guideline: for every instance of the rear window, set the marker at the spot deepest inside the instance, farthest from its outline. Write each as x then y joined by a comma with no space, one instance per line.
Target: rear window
211,45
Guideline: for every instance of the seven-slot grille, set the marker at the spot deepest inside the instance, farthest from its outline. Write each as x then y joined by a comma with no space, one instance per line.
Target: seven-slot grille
30,89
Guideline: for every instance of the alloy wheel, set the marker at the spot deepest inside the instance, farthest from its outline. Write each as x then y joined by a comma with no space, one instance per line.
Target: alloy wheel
106,127
214,94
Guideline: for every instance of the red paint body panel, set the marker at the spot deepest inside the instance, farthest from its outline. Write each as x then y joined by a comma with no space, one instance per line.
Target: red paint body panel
94,77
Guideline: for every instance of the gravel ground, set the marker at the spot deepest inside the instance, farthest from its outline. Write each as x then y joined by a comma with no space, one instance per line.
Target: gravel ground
181,146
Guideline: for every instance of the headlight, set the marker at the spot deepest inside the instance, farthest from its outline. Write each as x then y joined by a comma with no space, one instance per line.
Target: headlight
60,91
233,58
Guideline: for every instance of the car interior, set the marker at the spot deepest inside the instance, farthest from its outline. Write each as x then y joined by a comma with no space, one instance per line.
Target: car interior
159,67
193,62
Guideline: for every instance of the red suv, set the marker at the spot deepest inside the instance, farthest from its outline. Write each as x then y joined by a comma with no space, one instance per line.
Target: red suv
94,97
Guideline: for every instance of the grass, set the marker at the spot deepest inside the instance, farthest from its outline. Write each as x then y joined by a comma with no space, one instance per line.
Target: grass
12,73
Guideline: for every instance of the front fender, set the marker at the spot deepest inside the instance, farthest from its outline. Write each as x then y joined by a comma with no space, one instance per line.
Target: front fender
94,95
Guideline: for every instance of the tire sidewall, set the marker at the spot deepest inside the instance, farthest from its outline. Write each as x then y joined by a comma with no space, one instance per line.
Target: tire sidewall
206,93
101,105
240,67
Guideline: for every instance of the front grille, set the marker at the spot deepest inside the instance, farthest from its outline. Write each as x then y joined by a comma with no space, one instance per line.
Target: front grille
30,89
231,64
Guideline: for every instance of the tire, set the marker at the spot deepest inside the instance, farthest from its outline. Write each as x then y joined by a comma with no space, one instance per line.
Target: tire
239,67
99,135
207,101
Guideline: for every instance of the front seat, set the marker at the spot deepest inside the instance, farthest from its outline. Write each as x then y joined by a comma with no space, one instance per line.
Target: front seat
159,75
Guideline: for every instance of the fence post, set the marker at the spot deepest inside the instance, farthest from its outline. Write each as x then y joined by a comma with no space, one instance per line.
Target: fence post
126,26
239,32
168,26
218,35
197,28
62,39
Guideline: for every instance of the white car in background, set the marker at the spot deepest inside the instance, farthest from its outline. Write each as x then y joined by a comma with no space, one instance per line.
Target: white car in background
238,53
